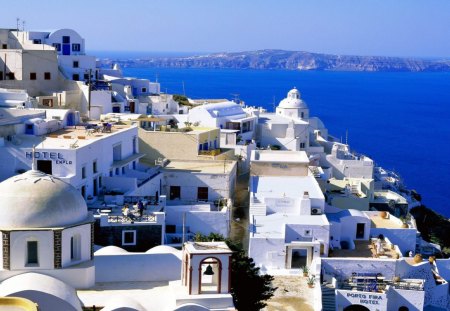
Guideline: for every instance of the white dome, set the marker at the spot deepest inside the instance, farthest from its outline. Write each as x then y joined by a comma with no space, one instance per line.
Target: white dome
37,200
293,100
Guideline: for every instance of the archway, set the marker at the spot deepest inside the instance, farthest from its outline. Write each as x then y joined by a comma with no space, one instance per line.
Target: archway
403,308
356,308
210,276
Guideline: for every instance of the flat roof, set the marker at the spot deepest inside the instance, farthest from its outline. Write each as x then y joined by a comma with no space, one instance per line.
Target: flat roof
151,295
273,225
273,118
286,186
378,222
68,138
201,166
280,156
364,249
207,247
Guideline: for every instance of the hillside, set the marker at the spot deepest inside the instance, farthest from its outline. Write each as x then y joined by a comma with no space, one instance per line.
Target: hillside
286,60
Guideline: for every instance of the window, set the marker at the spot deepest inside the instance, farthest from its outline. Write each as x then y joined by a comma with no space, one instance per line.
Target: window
75,247
123,170
32,76
144,90
83,172
76,47
47,76
32,252
94,166
1,75
66,39
4,46
76,64
86,76
307,232
57,46
302,145
10,76
37,41
202,193
302,115
129,237
76,77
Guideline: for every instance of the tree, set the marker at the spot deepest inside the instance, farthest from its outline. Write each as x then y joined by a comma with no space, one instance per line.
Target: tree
249,289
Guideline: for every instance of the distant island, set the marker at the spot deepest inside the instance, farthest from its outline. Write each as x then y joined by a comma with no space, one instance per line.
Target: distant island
286,60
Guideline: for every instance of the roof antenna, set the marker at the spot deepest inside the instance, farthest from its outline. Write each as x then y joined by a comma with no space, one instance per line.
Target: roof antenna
33,164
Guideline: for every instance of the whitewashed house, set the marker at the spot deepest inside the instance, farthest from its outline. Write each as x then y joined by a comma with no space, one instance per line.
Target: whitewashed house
289,229
48,257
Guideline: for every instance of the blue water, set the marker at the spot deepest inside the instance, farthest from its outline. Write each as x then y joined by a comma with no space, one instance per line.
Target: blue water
401,120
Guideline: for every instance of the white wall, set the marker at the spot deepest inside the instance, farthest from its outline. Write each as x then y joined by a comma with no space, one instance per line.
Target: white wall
84,232
269,253
348,228
413,300
219,185
344,267
199,219
18,249
135,267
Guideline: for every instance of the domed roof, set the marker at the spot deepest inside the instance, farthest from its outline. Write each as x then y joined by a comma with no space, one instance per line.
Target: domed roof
37,200
293,100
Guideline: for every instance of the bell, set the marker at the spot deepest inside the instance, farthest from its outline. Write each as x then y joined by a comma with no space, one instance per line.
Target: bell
208,271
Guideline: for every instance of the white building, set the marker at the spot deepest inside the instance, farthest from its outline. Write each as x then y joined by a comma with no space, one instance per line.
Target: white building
226,116
49,232
289,229
289,127
48,257
70,48
200,196
88,159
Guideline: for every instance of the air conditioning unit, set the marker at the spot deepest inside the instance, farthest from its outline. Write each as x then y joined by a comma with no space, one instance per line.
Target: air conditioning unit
316,211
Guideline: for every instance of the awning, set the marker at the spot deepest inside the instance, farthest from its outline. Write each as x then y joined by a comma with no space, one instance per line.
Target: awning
131,158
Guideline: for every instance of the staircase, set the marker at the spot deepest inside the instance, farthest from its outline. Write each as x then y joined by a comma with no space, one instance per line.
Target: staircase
328,297
257,208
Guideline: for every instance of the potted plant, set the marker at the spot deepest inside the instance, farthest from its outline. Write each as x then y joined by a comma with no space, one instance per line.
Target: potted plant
305,270
311,281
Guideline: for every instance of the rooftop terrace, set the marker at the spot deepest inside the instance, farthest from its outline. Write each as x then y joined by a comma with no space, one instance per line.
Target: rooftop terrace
365,249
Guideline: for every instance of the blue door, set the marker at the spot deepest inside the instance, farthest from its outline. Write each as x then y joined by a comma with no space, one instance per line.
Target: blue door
70,119
66,49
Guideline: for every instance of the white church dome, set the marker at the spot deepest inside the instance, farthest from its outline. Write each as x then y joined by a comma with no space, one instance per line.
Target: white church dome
293,100
37,200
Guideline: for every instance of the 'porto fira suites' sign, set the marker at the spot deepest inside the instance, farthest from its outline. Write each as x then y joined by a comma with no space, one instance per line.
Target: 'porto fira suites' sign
45,155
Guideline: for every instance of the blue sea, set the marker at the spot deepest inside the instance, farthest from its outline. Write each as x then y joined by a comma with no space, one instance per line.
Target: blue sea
400,120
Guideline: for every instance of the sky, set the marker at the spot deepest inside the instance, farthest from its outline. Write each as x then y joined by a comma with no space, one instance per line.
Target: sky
413,28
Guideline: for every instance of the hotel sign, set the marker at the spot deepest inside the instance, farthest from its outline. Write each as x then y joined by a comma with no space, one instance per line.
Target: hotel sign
373,301
45,155
366,299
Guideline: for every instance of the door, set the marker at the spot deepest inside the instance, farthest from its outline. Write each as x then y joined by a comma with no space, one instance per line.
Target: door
45,166
131,107
360,231
66,45
175,192
70,119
